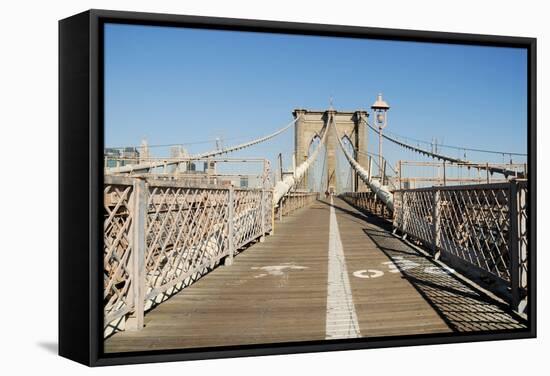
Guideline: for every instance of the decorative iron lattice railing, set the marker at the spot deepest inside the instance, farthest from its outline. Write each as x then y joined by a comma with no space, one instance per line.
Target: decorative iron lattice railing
484,225
293,201
161,236
367,201
520,236
118,245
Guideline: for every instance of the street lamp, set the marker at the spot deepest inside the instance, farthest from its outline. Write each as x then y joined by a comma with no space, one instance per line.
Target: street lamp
380,107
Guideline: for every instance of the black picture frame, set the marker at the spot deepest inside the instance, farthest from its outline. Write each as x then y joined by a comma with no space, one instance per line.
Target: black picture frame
80,165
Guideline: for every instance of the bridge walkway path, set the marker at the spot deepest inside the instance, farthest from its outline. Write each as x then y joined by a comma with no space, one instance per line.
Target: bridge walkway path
327,272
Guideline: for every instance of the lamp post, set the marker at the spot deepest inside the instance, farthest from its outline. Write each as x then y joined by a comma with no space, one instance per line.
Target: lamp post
380,107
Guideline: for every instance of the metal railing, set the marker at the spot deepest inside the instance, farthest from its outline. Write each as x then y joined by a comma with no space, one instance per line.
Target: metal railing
293,201
367,201
161,236
483,225
386,173
418,174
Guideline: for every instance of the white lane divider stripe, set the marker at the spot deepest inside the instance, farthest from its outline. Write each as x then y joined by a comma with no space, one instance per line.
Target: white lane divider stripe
341,320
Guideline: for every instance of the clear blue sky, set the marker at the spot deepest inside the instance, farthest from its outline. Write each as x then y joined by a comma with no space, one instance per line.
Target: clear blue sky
176,85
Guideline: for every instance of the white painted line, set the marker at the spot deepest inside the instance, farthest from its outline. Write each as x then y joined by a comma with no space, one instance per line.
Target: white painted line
341,316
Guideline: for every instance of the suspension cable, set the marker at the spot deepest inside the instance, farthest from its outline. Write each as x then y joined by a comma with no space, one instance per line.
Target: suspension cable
153,146
246,144
492,169
284,186
371,154
150,165
459,148
379,190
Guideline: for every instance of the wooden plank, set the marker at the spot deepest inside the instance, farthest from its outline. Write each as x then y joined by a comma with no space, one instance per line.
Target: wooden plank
260,298
419,296
276,291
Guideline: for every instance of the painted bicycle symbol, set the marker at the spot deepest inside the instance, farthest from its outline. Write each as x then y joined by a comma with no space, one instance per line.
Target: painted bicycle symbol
400,264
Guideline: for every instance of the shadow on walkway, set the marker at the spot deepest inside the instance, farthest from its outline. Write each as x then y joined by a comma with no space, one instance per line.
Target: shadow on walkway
463,307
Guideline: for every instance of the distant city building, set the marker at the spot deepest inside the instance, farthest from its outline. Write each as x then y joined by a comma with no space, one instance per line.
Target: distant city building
210,167
179,151
116,157
144,150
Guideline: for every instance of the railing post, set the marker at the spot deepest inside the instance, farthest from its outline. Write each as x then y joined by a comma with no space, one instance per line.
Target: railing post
514,244
230,226
444,175
139,218
400,185
405,211
288,205
436,219
262,213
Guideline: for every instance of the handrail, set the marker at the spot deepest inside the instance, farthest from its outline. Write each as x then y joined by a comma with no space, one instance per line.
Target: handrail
151,220
483,225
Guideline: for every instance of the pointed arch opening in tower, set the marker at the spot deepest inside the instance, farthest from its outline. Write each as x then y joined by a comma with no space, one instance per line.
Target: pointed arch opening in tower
317,176
345,180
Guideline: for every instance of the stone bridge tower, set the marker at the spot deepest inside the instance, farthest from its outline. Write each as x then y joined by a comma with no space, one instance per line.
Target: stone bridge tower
313,123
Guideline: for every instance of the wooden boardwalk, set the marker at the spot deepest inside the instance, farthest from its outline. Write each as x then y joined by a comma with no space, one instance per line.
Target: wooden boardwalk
327,272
